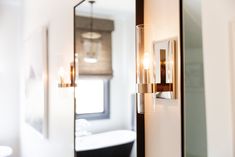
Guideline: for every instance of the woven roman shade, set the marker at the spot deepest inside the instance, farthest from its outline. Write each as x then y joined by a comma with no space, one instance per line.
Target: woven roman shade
103,67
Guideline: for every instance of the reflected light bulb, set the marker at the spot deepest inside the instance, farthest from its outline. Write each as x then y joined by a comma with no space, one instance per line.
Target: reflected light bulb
61,74
90,60
146,61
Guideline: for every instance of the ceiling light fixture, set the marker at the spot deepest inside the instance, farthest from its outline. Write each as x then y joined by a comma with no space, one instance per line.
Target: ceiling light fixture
91,40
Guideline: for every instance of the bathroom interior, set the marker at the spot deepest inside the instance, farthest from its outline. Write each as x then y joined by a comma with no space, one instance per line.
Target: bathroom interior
120,78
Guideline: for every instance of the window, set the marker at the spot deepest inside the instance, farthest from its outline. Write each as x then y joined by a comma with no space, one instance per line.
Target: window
92,99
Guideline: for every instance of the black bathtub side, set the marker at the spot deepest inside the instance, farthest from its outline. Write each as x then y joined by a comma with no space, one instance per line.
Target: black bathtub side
123,150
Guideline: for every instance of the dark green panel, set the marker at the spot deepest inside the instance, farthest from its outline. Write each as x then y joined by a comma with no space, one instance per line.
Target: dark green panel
194,95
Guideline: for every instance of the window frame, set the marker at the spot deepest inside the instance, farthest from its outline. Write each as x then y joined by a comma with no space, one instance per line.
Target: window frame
99,115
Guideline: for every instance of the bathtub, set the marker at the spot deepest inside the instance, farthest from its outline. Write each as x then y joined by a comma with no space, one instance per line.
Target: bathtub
116,143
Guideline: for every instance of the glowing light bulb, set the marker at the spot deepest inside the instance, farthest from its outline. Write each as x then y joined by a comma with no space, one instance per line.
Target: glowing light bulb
61,74
146,61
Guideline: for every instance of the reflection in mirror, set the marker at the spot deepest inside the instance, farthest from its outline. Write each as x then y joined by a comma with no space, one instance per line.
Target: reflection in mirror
104,54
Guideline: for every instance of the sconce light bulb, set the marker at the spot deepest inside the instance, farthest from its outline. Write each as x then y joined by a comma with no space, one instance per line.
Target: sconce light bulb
44,77
61,74
146,61
171,62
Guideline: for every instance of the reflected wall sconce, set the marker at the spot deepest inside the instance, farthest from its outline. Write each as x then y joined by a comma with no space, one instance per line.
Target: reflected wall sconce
155,67
63,75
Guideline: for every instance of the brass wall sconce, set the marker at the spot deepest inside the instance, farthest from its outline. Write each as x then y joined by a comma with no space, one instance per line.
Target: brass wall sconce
62,78
155,67
165,68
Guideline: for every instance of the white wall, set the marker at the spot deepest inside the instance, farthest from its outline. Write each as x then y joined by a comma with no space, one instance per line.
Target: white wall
59,17
217,16
232,42
9,74
162,118
123,61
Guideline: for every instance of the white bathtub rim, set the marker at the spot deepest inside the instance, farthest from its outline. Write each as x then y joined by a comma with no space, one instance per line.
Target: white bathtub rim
97,141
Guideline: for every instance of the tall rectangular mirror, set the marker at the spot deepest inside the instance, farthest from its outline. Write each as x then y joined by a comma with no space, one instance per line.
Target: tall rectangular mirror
104,33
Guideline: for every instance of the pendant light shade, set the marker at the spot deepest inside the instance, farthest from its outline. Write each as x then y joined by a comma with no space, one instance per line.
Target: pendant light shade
91,48
91,41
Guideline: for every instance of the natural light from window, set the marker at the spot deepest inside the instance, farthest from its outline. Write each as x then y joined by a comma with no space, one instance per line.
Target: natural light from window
90,96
